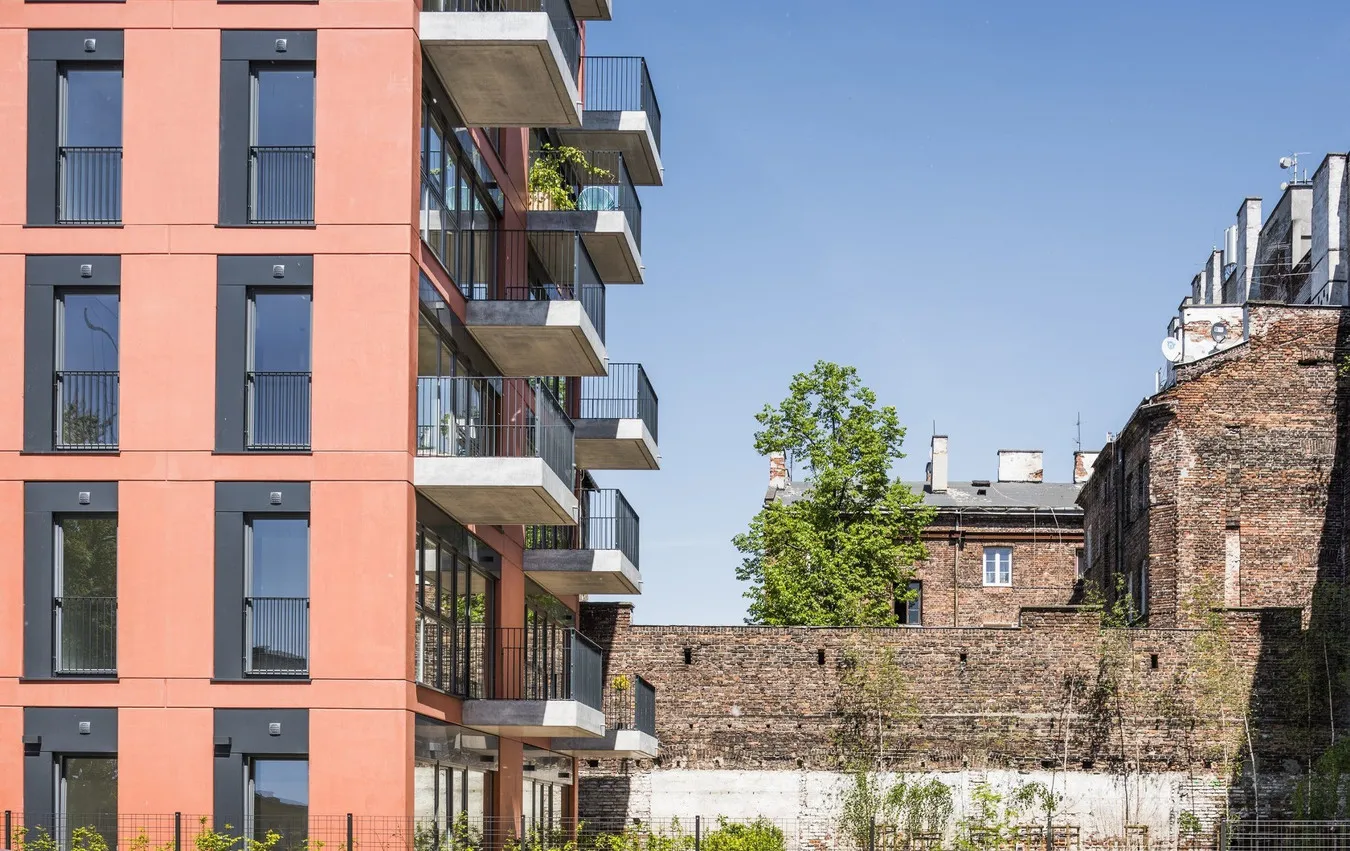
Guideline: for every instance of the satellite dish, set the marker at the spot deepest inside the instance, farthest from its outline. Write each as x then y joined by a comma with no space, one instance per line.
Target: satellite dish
1171,349
1218,332
1287,162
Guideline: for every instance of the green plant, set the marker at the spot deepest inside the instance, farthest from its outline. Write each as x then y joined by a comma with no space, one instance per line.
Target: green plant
920,806
621,683
758,835
548,174
991,823
41,841
1188,823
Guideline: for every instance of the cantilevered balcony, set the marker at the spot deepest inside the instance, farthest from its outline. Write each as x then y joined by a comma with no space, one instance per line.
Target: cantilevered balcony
506,63
544,682
621,113
630,724
599,555
593,10
602,205
616,429
495,451
536,303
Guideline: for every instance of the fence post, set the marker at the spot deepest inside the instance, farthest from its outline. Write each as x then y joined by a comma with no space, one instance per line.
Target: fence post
698,839
872,835
522,830
350,841
9,828
177,832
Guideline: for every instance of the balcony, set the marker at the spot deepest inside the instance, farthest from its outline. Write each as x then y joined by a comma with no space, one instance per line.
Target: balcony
278,411
544,682
616,429
85,629
599,555
630,725
621,114
86,411
90,190
593,10
602,206
506,63
536,303
281,185
495,451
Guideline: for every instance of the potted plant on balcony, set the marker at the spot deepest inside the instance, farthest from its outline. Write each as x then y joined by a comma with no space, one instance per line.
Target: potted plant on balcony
549,188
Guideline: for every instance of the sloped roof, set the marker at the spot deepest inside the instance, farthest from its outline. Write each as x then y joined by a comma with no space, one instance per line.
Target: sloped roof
1061,496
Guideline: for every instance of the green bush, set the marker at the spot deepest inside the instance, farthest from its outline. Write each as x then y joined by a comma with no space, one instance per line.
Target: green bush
759,835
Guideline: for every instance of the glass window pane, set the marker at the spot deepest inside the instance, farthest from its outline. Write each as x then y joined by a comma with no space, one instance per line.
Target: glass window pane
89,787
424,795
86,590
89,331
88,557
93,107
281,332
284,107
279,557
280,800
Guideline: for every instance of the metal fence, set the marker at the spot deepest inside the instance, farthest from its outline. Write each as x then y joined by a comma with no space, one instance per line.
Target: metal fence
90,186
281,185
494,418
85,632
559,12
622,84
278,410
276,630
625,393
545,664
1263,834
86,409
606,522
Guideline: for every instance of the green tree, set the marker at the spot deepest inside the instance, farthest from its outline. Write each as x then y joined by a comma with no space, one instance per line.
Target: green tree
837,555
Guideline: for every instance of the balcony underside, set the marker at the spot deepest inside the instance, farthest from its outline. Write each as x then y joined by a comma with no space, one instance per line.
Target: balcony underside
619,444
593,10
615,744
565,573
496,491
608,239
527,338
570,718
629,132
502,69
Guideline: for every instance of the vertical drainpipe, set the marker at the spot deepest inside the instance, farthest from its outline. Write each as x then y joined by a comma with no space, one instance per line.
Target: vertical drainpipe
956,562
1117,483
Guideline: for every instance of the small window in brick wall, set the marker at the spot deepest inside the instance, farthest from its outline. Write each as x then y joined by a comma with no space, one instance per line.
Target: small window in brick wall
688,655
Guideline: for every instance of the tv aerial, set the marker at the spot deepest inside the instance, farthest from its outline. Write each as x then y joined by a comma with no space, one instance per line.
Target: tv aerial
1290,163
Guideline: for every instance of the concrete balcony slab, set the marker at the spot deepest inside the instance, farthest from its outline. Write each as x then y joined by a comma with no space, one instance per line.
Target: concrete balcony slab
593,10
608,238
496,491
567,718
615,444
626,131
565,573
527,338
615,744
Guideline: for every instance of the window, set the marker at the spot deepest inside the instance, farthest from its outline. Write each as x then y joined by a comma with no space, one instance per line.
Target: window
86,797
909,610
1143,488
998,566
1129,497
454,603
543,805
1139,597
276,605
278,377
281,147
1080,563
277,799
84,603
447,794
86,376
89,158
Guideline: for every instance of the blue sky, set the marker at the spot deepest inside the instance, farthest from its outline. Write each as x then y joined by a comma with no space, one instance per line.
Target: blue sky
991,209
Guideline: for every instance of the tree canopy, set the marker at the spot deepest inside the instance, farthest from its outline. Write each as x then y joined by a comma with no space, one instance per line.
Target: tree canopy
843,552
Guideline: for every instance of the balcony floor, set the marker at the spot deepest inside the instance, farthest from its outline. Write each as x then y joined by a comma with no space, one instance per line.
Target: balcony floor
527,338
565,573
607,236
615,744
570,718
628,132
496,491
615,444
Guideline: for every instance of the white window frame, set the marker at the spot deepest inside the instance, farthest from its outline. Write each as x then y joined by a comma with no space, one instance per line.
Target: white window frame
1001,574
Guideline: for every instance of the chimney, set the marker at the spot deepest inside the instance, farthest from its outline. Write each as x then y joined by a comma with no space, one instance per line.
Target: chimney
1326,281
937,465
1020,465
1082,466
1248,233
778,471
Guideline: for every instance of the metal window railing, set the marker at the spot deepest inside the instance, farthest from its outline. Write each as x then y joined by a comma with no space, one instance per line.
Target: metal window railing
622,84
451,657
606,522
85,635
278,410
86,409
276,636
537,265
546,664
603,185
565,25
631,705
644,699
494,418
624,394
90,186
281,185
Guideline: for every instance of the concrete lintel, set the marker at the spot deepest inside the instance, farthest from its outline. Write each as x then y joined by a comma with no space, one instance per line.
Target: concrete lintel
616,444
570,718
616,744
502,69
526,338
496,491
629,132
566,573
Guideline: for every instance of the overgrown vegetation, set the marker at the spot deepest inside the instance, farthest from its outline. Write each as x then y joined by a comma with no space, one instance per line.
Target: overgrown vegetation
550,188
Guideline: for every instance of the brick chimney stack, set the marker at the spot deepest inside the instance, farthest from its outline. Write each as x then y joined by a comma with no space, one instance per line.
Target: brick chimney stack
778,471
1021,465
1082,466
936,479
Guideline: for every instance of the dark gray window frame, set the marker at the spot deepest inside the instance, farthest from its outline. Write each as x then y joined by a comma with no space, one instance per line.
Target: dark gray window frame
235,503
239,50
42,502
236,274
43,276
244,733
47,51
51,733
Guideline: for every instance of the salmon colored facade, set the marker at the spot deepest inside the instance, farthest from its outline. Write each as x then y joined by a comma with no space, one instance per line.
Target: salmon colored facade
361,693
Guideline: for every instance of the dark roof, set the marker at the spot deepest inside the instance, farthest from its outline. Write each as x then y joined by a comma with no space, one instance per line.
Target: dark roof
1061,496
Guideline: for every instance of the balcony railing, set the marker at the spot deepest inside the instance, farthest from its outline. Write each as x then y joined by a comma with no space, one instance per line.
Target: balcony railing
622,84
624,394
90,191
86,409
278,411
281,185
276,636
451,657
606,522
541,265
546,664
565,25
494,418
630,704
85,633
603,184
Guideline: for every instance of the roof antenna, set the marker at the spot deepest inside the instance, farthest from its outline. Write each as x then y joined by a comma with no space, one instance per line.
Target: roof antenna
1078,440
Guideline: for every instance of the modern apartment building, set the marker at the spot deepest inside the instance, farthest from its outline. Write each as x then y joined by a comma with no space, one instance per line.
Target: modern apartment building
305,483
